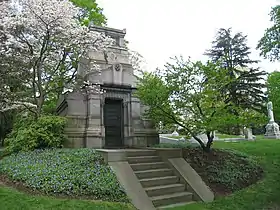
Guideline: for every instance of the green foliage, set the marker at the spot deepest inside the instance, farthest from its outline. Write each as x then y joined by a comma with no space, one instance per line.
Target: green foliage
90,12
27,134
49,107
246,88
269,44
273,86
71,172
225,169
232,50
191,95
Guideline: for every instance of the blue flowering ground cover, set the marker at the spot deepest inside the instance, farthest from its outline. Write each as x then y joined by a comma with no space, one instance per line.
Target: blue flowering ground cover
71,172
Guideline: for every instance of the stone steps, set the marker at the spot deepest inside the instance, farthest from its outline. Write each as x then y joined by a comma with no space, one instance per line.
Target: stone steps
165,189
162,186
173,198
154,173
165,180
143,159
147,166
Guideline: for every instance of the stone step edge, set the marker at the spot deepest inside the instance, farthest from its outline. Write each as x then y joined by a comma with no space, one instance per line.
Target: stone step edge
143,157
141,164
167,196
157,178
164,186
153,170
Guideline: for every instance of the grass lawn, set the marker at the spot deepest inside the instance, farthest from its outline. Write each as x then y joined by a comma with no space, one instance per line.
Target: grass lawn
11,199
261,196
226,136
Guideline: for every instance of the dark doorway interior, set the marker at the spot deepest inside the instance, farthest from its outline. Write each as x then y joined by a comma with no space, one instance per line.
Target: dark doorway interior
113,122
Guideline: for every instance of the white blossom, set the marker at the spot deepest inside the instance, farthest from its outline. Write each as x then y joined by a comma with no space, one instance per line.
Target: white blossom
46,39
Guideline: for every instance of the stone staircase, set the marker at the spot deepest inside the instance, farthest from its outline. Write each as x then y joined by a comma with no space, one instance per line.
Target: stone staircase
162,186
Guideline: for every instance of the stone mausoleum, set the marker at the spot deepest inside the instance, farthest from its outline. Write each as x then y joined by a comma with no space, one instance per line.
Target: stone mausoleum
113,119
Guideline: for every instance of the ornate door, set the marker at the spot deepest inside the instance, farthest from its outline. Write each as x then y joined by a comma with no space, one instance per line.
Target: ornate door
113,122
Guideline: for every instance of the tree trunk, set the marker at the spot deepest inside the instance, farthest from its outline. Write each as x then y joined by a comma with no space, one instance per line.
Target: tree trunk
209,143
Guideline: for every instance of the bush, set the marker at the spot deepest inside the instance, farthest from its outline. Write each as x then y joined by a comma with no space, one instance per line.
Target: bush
28,134
72,172
225,169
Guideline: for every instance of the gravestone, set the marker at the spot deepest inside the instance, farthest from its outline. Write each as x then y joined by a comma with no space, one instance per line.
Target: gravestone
110,116
249,134
175,133
272,128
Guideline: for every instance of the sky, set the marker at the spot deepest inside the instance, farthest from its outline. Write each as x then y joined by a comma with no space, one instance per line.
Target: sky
160,29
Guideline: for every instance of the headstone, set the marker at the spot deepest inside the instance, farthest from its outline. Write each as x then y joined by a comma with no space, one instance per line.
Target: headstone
272,128
175,133
249,134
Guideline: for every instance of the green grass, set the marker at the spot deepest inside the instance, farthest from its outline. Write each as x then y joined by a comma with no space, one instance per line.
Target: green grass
226,136
11,199
260,196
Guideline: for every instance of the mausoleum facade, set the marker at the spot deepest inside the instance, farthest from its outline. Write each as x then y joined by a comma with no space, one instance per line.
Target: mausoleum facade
115,117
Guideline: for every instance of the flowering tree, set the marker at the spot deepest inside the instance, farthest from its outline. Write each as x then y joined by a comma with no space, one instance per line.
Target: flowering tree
190,95
41,43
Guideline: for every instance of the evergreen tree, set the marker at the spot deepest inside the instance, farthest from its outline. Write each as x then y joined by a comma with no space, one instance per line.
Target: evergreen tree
246,88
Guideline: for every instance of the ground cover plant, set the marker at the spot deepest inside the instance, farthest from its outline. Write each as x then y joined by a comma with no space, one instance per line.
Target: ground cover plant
223,170
66,172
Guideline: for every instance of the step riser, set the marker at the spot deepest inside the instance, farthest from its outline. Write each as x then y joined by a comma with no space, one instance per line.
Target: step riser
168,201
141,153
165,191
154,174
152,183
148,166
132,160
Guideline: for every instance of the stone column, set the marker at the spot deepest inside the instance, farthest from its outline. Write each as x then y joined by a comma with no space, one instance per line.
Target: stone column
94,115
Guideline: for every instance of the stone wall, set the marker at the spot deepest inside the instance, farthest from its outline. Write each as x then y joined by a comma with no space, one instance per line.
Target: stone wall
85,111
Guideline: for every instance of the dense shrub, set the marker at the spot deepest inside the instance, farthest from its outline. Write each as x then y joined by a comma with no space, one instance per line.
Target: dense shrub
28,134
225,171
228,170
73,172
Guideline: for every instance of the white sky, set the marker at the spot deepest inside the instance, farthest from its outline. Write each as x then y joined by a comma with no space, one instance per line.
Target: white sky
160,29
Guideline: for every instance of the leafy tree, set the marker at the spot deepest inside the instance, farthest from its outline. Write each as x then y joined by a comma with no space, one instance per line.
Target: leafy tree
90,12
269,44
189,94
273,86
246,89
42,44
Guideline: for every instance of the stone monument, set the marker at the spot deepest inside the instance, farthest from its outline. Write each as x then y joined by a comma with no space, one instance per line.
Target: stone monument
272,128
115,118
249,134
